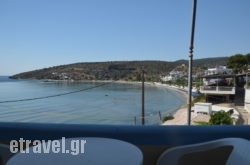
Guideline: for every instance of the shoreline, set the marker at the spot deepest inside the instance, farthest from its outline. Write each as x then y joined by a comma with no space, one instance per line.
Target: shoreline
179,113
181,91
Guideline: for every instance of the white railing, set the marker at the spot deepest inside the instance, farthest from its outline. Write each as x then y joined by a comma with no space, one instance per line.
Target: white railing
217,89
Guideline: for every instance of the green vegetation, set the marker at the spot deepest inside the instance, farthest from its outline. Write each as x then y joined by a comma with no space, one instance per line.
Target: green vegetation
181,82
200,98
169,117
118,70
239,62
197,83
221,118
202,123
218,118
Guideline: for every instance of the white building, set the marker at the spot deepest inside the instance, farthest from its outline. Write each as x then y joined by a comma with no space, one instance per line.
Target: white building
203,108
208,109
218,70
173,76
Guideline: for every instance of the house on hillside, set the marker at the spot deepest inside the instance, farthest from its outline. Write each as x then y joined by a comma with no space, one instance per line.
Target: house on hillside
218,70
175,74
222,86
218,84
219,87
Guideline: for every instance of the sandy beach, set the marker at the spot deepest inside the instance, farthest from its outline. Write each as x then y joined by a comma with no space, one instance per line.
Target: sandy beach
180,116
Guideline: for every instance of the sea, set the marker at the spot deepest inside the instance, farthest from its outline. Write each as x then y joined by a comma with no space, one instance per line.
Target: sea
75,102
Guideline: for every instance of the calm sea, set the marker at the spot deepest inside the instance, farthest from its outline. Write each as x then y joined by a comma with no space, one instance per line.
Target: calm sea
83,102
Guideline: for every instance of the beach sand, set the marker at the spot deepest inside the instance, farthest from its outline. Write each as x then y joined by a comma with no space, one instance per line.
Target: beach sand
180,116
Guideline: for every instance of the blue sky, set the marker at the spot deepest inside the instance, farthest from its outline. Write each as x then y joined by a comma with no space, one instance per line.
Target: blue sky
41,33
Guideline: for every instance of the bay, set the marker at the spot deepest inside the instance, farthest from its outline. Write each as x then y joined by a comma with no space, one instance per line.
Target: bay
84,102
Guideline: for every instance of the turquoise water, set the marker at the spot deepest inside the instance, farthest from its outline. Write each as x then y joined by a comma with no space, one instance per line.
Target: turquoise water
83,102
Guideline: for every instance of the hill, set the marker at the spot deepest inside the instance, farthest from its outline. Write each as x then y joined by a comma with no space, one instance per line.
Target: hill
116,70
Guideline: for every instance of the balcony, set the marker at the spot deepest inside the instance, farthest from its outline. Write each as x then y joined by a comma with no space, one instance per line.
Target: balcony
151,140
218,90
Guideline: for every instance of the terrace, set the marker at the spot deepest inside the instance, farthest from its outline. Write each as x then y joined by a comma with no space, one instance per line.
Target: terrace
218,90
218,84
151,140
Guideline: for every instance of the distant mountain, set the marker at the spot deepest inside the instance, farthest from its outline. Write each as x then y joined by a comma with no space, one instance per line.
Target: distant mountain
115,70
211,62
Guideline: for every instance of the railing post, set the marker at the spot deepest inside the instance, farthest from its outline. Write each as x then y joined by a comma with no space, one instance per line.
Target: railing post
142,100
189,101
160,116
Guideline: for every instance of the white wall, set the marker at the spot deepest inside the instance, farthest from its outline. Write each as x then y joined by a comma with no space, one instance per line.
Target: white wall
247,100
203,108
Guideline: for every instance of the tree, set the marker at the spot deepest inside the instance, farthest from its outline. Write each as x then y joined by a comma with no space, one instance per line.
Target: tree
221,118
247,56
238,63
181,82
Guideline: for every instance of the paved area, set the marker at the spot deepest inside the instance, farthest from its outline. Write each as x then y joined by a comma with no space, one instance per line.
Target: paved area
180,117
200,117
244,116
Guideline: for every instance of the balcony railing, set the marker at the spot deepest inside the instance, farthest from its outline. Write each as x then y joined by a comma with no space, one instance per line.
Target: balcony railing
152,140
217,90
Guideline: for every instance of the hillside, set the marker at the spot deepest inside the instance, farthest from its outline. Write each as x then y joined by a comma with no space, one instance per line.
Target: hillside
116,70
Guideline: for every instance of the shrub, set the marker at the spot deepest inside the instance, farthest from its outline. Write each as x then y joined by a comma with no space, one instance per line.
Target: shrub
202,123
200,98
221,118
169,117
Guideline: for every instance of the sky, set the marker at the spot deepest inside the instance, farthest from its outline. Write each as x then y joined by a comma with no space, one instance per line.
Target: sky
36,34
